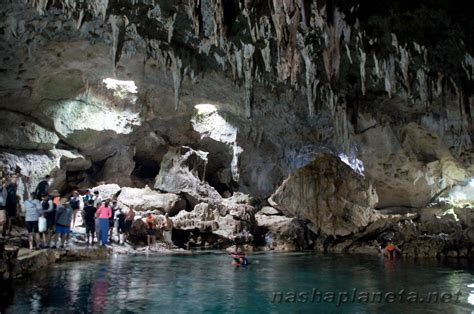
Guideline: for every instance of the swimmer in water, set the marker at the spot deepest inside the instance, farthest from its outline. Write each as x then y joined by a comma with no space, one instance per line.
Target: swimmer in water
239,259
391,250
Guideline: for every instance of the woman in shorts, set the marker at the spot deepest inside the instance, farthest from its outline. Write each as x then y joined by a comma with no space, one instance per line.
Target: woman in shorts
33,210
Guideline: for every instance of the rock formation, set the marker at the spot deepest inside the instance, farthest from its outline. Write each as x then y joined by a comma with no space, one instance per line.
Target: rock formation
327,192
147,199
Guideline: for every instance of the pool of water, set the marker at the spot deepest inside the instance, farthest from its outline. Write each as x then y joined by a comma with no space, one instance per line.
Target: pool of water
276,283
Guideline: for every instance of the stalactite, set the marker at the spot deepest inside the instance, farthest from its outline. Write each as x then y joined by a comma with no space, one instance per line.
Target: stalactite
99,7
192,11
266,55
334,30
118,23
40,6
248,69
170,26
389,74
422,85
177,72
377,70
234,165
239,62
310,75
80,19
468,66
404,66
348,51
363,59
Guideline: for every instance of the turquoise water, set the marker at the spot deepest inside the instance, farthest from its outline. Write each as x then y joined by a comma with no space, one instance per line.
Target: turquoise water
209,283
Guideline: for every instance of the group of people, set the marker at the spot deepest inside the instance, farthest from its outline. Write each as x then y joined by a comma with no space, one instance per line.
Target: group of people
50,218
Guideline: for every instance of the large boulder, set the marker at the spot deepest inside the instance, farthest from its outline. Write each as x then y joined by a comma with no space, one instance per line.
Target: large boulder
145,199
72,161
237,223
409,167
328,193
118,167
281,233
107,191
183,171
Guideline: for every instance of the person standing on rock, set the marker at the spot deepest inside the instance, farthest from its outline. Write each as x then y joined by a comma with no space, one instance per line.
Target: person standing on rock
63,222
3,200
75,204
11,204
168,230
33,210
97,199
120,216
88,197
89,218
151,223
129,218
43,187
49,212
113,220
104,213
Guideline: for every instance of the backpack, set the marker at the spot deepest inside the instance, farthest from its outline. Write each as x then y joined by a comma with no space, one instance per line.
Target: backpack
45,205
75,203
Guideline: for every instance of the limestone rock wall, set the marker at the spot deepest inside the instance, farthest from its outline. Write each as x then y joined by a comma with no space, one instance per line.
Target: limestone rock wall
119,82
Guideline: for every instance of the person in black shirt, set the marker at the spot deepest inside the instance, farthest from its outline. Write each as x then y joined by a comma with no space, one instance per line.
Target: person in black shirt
120,216
42,187
11,204
89,218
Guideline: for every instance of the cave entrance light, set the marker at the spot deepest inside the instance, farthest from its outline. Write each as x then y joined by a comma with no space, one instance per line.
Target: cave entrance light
122,89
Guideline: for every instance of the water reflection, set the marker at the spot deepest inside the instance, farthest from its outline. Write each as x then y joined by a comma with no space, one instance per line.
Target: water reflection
208,283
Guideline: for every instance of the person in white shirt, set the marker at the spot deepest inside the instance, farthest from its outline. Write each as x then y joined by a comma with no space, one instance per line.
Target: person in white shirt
33,210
